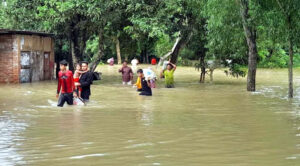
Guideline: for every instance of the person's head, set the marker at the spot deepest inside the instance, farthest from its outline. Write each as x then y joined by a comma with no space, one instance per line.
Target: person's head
125,63
63,65
140,73
84,65
78,66
169,66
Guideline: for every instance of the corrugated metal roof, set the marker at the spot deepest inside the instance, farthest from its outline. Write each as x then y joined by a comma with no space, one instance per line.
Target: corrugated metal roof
21,32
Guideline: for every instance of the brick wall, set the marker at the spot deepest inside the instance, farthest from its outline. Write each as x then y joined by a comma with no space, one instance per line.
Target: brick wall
9,60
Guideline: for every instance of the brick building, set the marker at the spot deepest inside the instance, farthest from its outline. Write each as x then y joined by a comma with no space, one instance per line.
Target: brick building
26,56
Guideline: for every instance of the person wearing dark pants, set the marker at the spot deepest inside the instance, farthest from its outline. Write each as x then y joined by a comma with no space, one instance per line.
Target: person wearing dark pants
146,87
65,85
85,82
65,97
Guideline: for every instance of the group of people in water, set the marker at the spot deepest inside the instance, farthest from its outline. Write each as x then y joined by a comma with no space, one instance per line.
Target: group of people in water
75,89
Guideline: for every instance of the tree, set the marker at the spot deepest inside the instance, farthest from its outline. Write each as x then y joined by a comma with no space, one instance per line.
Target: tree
251,36
100,13
225,37
283,27
69,19
291,15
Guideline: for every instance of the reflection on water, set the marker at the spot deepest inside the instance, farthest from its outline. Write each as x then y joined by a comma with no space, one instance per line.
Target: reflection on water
193,124
10,140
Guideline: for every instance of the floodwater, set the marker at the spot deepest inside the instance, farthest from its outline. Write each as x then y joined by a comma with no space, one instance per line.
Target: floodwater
211,124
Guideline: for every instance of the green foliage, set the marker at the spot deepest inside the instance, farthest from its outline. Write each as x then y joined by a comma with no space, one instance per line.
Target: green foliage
91,47
163,45
186,62
275,58
226,40
237,70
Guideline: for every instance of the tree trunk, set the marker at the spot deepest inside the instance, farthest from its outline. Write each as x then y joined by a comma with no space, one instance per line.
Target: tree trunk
169,53
211,74
181,43
291,89
287,12
78,37
144,56
202,65
250,34
59,56
175,53
202,76
147,57
97,60
175,48
70,57
291,54
118,50
73,54
178,45
75,47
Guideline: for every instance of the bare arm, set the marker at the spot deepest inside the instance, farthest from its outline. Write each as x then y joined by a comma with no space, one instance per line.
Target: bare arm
58,87
162,74
174,66
81,72
148,83
131,75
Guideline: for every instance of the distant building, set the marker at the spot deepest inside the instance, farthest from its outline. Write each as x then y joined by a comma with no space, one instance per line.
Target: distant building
26,56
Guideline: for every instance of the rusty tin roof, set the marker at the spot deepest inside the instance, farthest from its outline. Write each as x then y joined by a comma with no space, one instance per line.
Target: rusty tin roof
23,32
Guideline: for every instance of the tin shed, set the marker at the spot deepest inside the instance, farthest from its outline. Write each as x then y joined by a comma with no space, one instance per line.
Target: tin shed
26,56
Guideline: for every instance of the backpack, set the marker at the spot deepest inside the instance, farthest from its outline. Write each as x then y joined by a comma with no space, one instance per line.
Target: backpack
96,76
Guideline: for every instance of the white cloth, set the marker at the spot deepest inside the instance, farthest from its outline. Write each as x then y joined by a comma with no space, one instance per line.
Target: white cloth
134,62
127,83
77,101
110,59
165,64
148,73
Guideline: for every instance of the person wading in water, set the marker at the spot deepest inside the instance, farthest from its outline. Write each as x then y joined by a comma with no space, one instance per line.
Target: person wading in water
168,74
65,86
85,81
127,74
146,86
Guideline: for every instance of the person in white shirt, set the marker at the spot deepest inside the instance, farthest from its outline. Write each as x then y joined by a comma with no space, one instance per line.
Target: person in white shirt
134,63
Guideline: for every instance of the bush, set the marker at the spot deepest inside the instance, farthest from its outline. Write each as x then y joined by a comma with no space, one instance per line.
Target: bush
278,59
186,62
237,70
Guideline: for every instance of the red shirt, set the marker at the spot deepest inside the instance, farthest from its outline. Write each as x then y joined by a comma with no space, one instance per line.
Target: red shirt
153,61
65,82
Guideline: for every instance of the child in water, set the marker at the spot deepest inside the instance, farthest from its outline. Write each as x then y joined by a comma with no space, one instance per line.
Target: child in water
146,86
168,74
138,84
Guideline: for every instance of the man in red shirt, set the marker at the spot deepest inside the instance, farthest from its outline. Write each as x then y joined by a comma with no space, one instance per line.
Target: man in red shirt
65,86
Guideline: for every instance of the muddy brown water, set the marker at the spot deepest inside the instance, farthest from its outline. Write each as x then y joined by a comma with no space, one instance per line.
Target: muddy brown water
194,124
